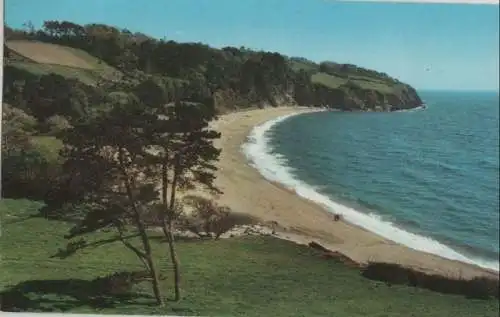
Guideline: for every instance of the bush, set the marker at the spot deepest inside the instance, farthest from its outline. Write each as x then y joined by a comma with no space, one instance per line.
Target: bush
56,124
27,173
208,219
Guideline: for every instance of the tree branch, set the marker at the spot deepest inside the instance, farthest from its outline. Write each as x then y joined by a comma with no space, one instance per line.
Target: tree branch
141,255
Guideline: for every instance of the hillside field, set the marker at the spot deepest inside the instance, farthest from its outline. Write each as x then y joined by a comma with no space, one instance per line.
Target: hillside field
254,276
45,58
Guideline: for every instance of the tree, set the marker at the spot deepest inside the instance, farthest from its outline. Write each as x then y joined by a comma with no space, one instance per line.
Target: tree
29,162
16,127
109,177
52,28
182,149
29,27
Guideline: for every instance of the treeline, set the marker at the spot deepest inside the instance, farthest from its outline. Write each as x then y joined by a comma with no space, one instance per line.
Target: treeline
233,77
256,76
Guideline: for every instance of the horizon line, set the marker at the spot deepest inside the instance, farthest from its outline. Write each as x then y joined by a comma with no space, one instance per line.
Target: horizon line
460,90
472,2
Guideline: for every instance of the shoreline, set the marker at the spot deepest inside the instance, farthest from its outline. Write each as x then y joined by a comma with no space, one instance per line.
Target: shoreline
302,220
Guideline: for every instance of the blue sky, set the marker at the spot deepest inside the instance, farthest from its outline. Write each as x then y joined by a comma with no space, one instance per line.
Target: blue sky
430,46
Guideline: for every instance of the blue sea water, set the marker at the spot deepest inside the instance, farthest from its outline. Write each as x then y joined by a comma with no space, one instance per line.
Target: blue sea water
426,178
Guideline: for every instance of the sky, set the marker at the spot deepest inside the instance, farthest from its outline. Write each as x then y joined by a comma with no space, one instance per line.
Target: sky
429,46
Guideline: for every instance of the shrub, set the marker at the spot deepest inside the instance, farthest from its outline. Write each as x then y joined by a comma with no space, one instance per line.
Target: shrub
56,124
208,219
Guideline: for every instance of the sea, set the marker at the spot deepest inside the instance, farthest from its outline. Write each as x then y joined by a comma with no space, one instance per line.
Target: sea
427,178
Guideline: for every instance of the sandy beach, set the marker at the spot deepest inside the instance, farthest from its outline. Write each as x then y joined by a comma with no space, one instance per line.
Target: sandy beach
245,190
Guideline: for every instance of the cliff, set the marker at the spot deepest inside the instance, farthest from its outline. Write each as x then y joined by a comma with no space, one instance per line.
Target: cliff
364,99
352,88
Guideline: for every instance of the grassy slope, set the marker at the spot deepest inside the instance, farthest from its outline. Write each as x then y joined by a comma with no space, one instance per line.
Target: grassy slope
332,81
328,80
237,277
90,71
364,82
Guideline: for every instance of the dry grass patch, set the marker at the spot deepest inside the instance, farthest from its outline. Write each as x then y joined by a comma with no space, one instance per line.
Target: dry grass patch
45,53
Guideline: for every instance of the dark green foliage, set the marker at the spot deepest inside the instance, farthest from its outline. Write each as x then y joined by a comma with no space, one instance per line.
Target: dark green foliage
112,163
180,147
257,78
26,173
104,164
44,96
29,162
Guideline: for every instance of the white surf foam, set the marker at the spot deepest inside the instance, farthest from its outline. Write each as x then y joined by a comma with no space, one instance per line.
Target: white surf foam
274,168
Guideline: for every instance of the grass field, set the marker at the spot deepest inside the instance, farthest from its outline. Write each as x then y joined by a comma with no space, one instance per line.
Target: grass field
86,76
328,80
259,276
44,58
362,81
300,64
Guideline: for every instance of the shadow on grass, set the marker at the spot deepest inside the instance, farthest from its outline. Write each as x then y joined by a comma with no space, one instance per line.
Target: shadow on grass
182,238
64,295
477,288
45,212
394,274
58,213
74,246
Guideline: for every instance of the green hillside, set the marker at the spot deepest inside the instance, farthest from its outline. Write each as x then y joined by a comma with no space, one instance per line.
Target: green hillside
233,77
255,276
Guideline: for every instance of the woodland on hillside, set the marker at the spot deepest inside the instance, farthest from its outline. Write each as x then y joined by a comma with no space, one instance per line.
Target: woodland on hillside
231,77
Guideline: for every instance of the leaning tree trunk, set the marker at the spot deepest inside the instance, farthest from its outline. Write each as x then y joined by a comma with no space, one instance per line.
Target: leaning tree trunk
148,253
155,281
175,264
147,259
168,228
